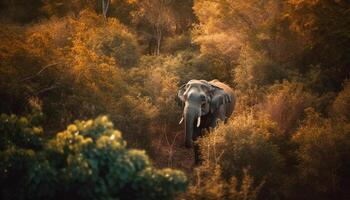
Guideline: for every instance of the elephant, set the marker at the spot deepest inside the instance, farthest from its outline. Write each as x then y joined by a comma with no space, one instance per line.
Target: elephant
204,104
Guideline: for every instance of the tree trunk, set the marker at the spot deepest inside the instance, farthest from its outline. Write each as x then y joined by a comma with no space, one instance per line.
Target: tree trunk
105,5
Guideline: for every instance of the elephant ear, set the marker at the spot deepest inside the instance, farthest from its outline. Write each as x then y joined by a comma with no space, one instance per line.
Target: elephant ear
219,98
181,93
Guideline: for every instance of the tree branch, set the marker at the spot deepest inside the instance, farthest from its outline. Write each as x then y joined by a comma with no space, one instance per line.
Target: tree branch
54,86
39,72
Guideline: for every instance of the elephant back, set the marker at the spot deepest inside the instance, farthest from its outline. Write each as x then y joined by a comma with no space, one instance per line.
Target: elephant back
230,106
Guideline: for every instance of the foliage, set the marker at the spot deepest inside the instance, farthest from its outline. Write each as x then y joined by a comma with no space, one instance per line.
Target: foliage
121,9
225,26
61,8
245,143
210,184
285,104
88,160
177,43
255,68
21,11
341,105
72,63
158,20
68,61
134,116
161,85
323,152
323,26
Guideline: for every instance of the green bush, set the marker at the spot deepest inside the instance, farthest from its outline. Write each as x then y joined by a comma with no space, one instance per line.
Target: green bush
88,160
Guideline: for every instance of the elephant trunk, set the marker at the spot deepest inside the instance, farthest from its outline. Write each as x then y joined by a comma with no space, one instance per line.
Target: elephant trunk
190,115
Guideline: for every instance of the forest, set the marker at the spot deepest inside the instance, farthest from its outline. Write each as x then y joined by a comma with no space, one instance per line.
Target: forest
89,104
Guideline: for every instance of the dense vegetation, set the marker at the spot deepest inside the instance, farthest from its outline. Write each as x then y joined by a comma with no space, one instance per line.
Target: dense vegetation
88,160
61,61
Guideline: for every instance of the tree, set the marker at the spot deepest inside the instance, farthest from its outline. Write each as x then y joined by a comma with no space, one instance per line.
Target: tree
157,14
249,36
88,160
61,8
323,27
182,14
226,25
105,6
21,11
323,152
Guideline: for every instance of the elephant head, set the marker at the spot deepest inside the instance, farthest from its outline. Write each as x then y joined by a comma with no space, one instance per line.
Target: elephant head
199,98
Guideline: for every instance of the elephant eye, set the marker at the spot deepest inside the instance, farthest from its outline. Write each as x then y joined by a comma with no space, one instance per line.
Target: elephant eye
203,98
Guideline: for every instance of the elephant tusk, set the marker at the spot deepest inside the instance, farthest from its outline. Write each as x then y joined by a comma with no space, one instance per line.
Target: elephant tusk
181,120
198,121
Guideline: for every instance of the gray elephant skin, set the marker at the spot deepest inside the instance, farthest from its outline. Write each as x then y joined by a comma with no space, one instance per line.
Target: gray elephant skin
204,104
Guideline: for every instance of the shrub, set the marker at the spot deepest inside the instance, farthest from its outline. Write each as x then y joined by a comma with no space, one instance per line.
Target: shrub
256,68
70,63
88,160
134,115
189,65
248,99
323,155
341,105
318,79
244,143
155,81
285,103
177,43
161,87
209,184
192,67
